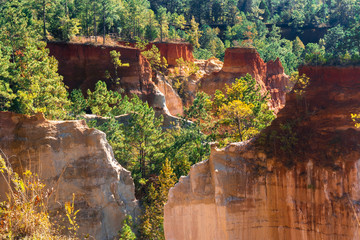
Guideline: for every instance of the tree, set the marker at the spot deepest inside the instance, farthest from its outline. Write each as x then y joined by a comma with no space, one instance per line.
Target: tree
117,63
78,103
194,33
157,62
239,114
334,38
266,15
104,102
162,17
153,217
31,82
242,109
144,134
126,232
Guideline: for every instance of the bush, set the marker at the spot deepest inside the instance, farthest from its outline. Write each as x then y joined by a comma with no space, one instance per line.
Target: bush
25,213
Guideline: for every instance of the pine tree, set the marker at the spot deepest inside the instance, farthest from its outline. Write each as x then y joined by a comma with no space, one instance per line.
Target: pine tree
30,74
153,217
194,33
145,135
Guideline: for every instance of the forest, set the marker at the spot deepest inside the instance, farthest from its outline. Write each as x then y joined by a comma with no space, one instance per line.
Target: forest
157,158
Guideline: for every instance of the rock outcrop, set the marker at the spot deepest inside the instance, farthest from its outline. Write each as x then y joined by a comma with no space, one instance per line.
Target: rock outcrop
240,61
170,51
82,66
209,66
173,51
299,180
173,101
71,158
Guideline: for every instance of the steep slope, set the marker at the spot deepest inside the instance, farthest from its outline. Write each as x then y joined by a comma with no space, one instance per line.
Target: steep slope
71,158
170,51
82,66
173,51
299,180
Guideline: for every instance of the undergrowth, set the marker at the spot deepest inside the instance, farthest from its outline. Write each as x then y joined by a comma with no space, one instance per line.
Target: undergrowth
25,214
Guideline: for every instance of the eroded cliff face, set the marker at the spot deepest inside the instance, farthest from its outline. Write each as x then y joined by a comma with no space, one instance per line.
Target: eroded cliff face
172,99
299,180
240,61
173,51
71,158
82,66
170,51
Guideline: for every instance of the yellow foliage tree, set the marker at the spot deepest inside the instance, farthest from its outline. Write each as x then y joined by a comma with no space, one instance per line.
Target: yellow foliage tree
238,114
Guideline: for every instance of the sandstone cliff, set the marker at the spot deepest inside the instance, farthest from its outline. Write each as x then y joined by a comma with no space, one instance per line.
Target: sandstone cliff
82,66
71,158
170,51
174,51
299,180
240,61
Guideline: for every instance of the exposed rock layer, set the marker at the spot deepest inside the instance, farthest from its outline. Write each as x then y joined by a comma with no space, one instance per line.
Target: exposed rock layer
170,51
299,180
240,61
174,51
71,158
82,66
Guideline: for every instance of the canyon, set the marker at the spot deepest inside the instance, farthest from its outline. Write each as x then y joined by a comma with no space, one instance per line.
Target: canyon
69,157
82,65
298,180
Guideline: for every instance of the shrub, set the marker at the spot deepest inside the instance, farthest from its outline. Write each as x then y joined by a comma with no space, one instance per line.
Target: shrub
25,213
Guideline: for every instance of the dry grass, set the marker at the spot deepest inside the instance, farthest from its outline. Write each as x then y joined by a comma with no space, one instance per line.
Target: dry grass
25,213
91,40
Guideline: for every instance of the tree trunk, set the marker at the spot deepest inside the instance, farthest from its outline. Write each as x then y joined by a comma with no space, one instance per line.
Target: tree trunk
239,129
161,32
44,19
104,13
66,8
87,20
94,9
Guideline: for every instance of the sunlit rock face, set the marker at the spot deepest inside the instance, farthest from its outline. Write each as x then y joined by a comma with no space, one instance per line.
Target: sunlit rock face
173,101
174,51
71,158
240,61
300,179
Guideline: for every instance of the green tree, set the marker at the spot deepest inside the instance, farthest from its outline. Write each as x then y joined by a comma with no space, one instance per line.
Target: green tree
210,41
145,136
28,70
104,102
334,38
117,63
126,232
153,217
78,103
194,33
239,114
157,62
163,20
